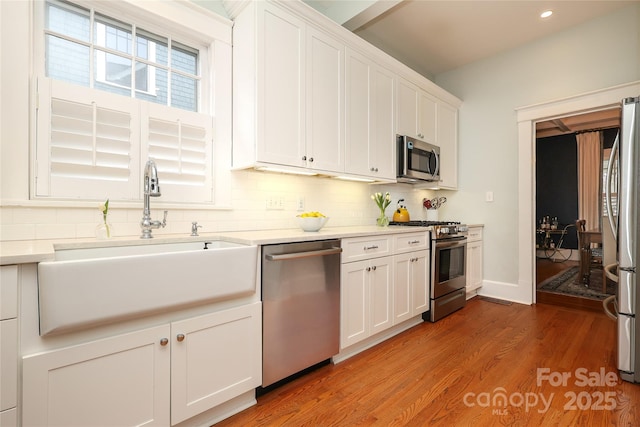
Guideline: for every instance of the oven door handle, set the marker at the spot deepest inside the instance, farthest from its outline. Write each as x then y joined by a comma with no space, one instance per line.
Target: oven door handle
449,243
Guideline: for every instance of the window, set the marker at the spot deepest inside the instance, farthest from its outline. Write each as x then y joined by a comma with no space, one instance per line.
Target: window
125,59
111,94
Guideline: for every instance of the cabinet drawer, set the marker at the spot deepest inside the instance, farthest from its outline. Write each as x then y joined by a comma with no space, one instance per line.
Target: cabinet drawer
8,292
407,242
359,248
475,234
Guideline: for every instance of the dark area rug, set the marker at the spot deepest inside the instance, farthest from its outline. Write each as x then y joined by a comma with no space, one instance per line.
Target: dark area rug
567,283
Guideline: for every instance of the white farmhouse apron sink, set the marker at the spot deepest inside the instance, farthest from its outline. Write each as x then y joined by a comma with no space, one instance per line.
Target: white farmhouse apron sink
88,287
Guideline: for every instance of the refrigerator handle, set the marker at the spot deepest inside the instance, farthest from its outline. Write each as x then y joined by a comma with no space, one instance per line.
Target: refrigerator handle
612,158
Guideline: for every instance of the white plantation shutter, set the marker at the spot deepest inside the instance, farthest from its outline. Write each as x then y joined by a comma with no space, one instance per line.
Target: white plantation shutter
87,143
180,143
92,144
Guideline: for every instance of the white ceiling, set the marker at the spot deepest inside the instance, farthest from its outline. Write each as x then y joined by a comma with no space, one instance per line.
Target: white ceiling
433,37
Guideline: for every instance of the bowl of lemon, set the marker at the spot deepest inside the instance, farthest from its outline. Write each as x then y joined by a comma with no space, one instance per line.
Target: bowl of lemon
311,221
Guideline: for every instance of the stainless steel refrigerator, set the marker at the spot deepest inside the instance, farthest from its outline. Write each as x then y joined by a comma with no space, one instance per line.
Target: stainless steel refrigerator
628,238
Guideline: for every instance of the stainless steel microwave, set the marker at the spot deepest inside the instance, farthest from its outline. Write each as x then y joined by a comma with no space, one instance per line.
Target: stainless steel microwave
417,160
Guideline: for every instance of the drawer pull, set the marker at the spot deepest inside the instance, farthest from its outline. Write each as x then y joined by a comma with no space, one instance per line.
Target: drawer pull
180,337
164,341
366,248
413,242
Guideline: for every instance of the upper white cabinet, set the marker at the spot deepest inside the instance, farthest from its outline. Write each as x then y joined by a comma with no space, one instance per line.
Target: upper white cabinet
325,102
370,111
447,140
430,119
416,112
288,92
310,95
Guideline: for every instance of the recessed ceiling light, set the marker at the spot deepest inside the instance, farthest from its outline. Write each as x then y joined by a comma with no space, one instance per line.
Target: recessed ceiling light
546,14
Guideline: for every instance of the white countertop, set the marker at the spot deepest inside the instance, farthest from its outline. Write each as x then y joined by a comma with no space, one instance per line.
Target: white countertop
33,251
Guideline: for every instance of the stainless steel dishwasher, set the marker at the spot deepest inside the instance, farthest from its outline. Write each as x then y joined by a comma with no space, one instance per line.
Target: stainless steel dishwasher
300,306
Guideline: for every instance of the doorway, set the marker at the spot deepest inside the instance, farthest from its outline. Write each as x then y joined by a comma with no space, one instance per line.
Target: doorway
527,118
570,154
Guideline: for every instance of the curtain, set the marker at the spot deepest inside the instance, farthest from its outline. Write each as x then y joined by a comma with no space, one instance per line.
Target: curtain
589,178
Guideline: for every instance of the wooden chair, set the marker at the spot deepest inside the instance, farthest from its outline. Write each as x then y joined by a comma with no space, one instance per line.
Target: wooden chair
589,256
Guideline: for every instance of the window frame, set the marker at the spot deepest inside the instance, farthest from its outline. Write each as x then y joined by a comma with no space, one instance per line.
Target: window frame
210,34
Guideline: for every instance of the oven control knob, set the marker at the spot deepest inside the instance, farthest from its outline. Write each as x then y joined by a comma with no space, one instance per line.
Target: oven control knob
444,230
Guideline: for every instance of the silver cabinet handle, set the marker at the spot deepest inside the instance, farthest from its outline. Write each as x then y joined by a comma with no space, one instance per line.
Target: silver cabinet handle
368,269
180,337
296,255
374,268
304,158
413,242
164,341
366,248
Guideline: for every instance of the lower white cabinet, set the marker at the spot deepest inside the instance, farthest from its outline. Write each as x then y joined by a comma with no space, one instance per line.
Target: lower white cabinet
8,345
365,299
474,259
157,376
411,285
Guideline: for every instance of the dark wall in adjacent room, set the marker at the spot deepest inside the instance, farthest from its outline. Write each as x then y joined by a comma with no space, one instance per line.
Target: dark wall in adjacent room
557,180
557,183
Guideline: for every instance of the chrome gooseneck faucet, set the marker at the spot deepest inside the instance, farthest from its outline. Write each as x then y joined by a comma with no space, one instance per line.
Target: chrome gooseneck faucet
151,189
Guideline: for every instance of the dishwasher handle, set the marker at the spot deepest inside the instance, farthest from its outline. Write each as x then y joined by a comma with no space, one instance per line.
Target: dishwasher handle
296,255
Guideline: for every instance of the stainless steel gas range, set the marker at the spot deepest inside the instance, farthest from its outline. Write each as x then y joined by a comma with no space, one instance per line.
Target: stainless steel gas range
448,266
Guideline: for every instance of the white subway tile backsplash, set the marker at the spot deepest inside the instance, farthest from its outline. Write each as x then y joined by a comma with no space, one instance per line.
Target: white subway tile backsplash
346,203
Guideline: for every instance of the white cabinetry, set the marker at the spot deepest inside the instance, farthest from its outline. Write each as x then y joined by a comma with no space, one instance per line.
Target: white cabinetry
370,111
429,119
8,345
161,375
288,92
416,112
366,289
411,280
474,259
447,140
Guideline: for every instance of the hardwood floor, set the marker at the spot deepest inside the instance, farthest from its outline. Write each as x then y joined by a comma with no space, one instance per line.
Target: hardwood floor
454,372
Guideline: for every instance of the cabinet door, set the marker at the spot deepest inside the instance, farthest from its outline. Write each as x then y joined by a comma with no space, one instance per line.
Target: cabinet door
447,139
325,102
8,292
281,109
354,303
474,265
358,113
382,146
407,109
381,298
402,291
370,118
420,268
8,363
120,381
214,358
427,118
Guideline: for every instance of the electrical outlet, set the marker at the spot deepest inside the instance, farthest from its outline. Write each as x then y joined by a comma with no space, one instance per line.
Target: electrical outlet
275,203
300,203
489,196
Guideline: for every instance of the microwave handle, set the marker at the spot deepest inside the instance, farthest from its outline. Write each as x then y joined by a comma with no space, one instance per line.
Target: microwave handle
437,171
